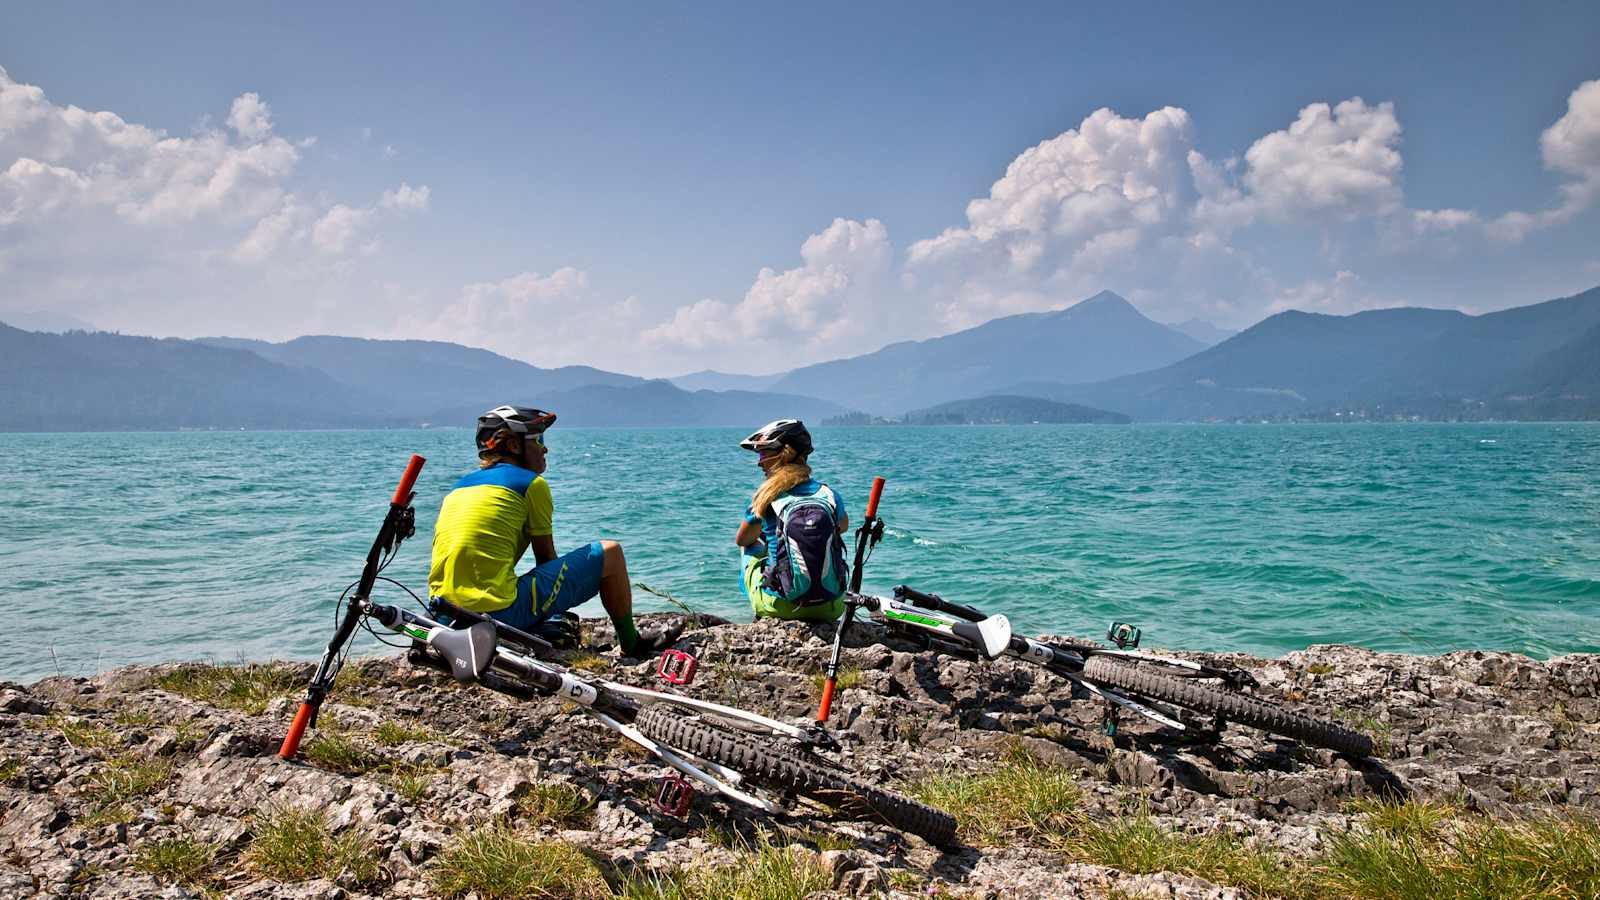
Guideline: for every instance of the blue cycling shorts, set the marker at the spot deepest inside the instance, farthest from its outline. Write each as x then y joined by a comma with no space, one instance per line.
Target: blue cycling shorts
554,587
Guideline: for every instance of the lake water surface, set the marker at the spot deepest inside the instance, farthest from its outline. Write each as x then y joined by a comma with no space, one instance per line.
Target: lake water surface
1419,538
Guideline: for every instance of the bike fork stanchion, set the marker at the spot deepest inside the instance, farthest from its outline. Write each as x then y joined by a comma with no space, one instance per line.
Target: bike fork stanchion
832,672
870,532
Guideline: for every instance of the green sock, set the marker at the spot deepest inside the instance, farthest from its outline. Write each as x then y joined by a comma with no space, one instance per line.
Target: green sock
627,635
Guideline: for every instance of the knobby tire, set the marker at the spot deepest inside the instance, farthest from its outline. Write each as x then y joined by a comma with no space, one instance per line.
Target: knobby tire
765,763
1229,704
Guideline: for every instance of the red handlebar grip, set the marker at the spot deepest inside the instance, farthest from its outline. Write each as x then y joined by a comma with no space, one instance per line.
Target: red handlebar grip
872,501
291,742
402,494
827,701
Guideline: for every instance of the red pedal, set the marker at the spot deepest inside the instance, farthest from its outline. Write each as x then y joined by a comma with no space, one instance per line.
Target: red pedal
677,667
676,795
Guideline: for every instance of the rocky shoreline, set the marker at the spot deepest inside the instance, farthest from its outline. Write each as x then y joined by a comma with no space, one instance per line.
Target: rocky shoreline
162,781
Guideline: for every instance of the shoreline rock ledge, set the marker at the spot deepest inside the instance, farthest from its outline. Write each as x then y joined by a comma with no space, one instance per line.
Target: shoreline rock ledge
162,781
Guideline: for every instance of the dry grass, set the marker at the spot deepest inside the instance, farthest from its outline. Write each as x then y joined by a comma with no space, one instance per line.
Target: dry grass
248,688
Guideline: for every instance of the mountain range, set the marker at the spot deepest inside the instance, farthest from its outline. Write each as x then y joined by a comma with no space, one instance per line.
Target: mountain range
1540,361
1098,338
1529,362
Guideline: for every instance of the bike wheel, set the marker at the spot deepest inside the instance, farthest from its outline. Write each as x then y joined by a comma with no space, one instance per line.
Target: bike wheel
763,763
1227,703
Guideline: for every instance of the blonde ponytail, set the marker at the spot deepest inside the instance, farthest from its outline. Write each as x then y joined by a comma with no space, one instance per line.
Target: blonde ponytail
790,472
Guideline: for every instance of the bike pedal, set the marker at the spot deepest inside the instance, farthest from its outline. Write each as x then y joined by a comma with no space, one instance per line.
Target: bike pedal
675,796
677,667
1123,635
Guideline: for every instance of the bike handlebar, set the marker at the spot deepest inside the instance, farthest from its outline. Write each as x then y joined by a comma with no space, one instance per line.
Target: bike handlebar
402,494
938,603
872,500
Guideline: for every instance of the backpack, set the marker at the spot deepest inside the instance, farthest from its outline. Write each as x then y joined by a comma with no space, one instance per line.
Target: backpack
809,568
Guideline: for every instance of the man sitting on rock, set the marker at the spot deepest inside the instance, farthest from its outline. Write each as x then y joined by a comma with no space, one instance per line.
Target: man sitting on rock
495,514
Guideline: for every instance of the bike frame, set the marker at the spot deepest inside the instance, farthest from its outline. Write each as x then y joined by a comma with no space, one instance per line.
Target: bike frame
939,621
612,703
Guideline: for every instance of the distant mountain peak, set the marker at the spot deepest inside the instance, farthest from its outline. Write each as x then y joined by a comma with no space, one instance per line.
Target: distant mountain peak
1105,298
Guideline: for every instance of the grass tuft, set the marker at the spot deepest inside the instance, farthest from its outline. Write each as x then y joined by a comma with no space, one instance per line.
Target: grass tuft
411,782
1137,844
765,872
247,688
337,752
113,788
182,860
558,804
847,678
1418,851
1023,799
393,734
495,863
289,844
135,718
84,735
587,661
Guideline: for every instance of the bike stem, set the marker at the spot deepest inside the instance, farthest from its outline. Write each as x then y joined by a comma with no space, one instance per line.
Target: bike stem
868,535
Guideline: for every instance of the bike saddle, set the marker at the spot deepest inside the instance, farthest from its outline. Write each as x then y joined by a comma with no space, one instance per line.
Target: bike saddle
467,650
991,635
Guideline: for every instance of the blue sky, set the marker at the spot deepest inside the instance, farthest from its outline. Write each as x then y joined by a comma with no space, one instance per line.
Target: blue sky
659,189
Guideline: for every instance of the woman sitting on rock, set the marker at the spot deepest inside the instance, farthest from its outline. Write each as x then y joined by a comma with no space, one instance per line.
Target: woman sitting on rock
793,564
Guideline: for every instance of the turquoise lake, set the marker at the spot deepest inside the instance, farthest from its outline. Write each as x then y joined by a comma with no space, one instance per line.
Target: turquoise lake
1422,538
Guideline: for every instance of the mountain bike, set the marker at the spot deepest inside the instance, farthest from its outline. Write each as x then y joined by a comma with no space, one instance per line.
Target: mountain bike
1164,689
746,757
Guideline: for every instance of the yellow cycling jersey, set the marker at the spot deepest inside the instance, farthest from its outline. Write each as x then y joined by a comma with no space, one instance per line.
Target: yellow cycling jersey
484,527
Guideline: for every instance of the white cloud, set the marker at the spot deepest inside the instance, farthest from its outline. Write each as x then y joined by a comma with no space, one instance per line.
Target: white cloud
250,117
337,228
131,227
822,308
550,320
1341,160
1570,146
406,197
1110,173
1107,204
1340,295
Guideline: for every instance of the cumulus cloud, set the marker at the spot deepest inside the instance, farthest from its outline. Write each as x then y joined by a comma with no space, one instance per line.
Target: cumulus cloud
406,197
1340,160
337,228
825,305
1109,203
1572,147
100,215
62,158
250,117
1109,174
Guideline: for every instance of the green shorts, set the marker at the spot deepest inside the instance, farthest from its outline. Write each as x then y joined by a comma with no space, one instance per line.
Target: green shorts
753,569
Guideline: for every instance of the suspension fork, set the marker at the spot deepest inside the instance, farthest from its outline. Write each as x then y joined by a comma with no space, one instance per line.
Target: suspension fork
868,535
